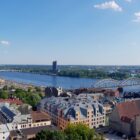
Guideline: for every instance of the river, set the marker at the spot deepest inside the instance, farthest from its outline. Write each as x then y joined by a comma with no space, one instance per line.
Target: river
48,80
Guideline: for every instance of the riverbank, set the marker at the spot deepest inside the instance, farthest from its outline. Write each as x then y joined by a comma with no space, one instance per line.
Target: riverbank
16,84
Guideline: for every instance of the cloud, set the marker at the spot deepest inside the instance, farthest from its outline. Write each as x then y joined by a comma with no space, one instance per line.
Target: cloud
109,5
4,43
137,17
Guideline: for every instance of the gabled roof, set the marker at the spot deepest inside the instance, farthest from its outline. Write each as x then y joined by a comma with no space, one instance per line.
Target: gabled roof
128,110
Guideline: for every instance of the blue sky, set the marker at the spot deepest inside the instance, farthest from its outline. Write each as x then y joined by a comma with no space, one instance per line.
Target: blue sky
91,32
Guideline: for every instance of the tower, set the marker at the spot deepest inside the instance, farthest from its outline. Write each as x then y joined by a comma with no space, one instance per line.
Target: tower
54,66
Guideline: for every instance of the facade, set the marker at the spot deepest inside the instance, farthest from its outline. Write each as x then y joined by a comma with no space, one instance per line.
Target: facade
54,66
12,119
2,82
80,109
52,91
125,118
28,133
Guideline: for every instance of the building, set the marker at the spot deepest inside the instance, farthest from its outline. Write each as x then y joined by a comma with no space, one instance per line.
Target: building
54,66
11,101
13,118
28,133
125,118
52,91
79,109
39,122
2,81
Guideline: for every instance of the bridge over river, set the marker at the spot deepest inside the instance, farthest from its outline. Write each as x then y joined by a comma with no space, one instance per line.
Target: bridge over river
111,83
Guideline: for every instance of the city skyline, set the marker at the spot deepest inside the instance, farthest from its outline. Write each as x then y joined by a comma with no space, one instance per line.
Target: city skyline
82,32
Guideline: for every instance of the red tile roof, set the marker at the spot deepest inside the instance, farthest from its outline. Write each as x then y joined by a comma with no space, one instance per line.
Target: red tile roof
11,101
128,110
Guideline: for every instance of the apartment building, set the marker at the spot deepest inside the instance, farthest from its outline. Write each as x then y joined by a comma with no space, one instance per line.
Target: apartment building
125,118
13,118
80,109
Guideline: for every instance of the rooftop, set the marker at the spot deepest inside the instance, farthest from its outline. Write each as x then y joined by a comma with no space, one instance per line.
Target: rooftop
11,113
38,116
68,107
11,101
3,128
30,131
128,110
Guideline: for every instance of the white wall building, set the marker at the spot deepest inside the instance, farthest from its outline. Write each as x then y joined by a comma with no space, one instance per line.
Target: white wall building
12,119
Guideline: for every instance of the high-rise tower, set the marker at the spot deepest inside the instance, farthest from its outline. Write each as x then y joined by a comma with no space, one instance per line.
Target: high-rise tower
54,66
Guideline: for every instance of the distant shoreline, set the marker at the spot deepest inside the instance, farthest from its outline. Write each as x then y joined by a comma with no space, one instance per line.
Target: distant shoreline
77,71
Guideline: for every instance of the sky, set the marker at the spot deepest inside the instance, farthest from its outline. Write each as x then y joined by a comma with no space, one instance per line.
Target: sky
78,32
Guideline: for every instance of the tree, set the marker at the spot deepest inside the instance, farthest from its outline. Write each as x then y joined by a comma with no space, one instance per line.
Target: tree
5,87
80,132
4,94
33,99
38,89
58,135
12,87
50,135
72,132
43,135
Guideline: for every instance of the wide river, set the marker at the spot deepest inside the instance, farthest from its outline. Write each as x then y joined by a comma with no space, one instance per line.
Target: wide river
48,80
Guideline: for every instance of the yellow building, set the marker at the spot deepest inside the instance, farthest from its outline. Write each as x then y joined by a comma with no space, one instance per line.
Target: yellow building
81,109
